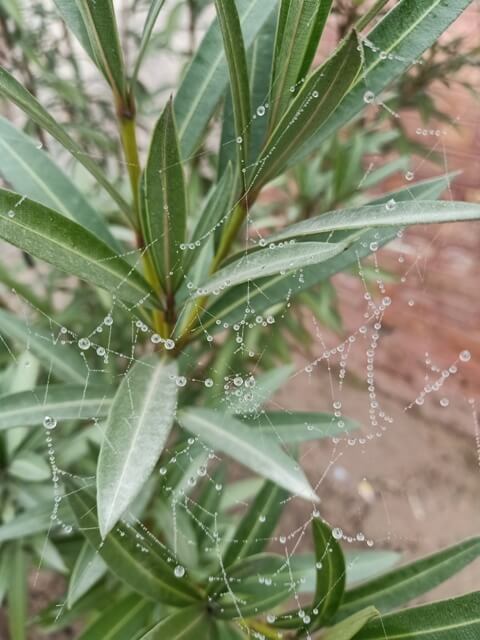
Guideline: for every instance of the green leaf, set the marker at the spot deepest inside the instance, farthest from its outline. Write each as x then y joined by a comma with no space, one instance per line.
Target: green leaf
260,66
414,579
263,293
224,433
63,360
30,467
266,385
32,521
299,426
188,624
150,20
316,101
164,212
146,566
32,172
12,90
331,574
257,525
138,426
101,29
123,620
215,209
206,78
405,33
72,16
89,568
270,261
62,402
348,628
302,23
230,26
48,235
17,593
393,213
454,619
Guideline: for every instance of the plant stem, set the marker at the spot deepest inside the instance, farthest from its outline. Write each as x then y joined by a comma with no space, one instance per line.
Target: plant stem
264,629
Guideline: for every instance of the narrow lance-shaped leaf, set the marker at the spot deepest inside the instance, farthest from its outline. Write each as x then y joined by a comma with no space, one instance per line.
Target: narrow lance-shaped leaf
48,235
401,37
348,628
414,579
123,620
257,525
298,37
454,619
299,426
237,66
31,171
138,426
206,78
224,433
331,574
101,30
391,214
17,593
270,261
164,210
89,568
263,293
191,623
11,89
318,98
213,213
146,567
61,402
63,360
150,21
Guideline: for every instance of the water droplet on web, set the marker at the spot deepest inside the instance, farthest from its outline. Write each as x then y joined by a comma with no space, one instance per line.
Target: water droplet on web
84,344
444,402
108,320
208,382
337,533
260,111
155,338
162,471
11,213
181,381
179,571
409,176
391,204
100,351
271,618
368,97
262,518
318,565
169,344
49,423
465,356
239,140
373,246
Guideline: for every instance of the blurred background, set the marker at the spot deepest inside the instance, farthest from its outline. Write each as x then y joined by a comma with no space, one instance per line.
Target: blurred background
415,488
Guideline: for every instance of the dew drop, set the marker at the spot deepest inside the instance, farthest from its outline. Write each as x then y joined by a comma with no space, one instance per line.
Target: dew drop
169,344
49,423
444,402
208,382
84,344
179,571
260,111
465,356
181,381
368,97
337,533
391,204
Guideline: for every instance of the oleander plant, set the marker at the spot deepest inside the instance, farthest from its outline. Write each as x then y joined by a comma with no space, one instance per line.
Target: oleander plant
147,302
